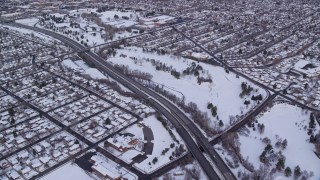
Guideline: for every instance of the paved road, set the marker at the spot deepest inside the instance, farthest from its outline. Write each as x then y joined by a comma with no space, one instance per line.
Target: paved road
91,91
233,70
245,120
186,129
177,117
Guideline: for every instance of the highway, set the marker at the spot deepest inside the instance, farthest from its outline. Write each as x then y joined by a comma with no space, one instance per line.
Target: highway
192,136
184,126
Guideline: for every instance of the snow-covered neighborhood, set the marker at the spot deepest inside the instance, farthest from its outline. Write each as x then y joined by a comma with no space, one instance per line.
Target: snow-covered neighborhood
148,89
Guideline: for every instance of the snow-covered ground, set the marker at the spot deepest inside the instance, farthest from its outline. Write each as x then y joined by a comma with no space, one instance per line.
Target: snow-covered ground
108,18
191,170
223,92
66,172
82,67
28,33
282,121
30,21
95,33
162,140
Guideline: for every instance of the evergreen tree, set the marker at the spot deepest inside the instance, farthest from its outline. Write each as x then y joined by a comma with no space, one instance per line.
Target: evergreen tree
312,138
312,121
263,157
34,152
220,123
280,164
11,111
297,171
14,133
284,144
268,148
108,121
288,172
13,121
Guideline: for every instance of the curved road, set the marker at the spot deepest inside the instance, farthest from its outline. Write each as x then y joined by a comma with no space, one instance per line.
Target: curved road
184,126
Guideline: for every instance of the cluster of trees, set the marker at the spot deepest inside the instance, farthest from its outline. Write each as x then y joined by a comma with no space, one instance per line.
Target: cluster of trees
176,153
257,98
246,89
134,73
110,49
161,66
115,86
179,150
231,143
266,154
164,151
166,124
158,51
213,109
102,9
214,113
193,69
269,155
260,128
315,139
54,18
281,143
11,113
203,79
175,73
312,123
246,102
199,117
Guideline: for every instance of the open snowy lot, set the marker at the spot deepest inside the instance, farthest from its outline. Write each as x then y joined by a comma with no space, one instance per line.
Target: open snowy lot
89,27
191,170
30,21
80,66
223,92
162,140
285,128
66,172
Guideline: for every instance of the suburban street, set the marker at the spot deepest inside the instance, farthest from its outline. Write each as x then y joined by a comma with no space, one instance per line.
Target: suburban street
102,84
166,108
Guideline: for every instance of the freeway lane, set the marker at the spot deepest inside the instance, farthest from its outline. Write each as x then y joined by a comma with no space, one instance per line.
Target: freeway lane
183,125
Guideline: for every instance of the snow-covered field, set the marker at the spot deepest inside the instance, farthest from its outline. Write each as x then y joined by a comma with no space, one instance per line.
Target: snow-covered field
162,140
223,92
82,67
89,32
30,21
67,172
282,121
108,18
